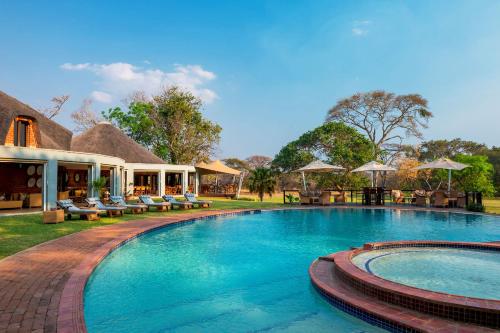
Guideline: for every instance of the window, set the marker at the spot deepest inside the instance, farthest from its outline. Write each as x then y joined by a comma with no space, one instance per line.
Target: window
21,133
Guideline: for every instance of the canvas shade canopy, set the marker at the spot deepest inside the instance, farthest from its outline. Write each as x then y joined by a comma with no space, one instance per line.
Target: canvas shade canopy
217,168
317,166
373,167
443,163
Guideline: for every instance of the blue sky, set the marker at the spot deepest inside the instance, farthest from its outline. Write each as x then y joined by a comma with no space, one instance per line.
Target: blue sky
267,70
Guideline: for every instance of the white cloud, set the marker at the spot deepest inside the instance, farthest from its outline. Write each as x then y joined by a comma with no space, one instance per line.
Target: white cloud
119,79
359,32
101,96
360,28
76,67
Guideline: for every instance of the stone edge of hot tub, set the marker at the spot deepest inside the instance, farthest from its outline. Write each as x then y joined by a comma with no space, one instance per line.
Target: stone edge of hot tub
436,305
71,313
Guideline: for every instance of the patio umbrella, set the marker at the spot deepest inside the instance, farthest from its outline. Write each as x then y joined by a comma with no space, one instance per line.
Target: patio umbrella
317,166
373,166
443,163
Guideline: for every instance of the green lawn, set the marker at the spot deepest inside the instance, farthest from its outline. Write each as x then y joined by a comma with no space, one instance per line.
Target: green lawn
492,205
20,232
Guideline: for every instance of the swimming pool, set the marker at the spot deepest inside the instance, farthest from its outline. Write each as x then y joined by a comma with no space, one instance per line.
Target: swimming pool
465,272
250,272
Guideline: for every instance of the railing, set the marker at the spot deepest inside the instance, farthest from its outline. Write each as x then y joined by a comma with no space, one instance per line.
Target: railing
359,196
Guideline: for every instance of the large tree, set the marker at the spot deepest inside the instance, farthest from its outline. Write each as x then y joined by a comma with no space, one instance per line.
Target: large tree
385,118
171,125
494,158
477,177
332,142
259,161
433,149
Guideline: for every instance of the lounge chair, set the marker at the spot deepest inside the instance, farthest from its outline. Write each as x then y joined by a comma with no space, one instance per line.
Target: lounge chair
136,208
110,210
174,202
339,197
85,213
420,198
398,197
440,199
324,198
160,206
192,199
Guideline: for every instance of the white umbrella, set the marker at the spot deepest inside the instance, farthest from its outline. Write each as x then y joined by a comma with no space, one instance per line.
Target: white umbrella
373,166
443,163
317,166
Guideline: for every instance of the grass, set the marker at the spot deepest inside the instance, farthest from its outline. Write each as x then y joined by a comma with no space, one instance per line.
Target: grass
492,205
21,232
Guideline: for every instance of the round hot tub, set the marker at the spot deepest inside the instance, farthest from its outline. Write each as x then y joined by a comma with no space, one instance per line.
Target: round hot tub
440,280
460,271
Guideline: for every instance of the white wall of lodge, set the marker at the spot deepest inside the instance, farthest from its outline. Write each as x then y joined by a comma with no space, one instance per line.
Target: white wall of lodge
51,158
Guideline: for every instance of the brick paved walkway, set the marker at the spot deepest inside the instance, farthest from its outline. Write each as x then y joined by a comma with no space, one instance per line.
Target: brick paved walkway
41,287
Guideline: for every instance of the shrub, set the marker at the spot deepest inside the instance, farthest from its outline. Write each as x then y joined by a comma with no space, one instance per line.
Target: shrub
244,199
475,207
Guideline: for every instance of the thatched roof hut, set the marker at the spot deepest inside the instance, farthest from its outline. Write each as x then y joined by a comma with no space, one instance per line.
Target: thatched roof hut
48,134
106,139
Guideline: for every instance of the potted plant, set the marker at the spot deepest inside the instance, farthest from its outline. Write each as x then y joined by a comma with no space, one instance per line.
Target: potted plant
129,192
99,185
291,198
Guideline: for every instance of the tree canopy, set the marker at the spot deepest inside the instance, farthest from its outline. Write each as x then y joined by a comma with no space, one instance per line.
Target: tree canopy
477,177
385,118
334,142
494,158
171,125
434,149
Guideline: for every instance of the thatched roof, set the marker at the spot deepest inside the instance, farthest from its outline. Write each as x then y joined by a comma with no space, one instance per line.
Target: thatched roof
49,135
106,139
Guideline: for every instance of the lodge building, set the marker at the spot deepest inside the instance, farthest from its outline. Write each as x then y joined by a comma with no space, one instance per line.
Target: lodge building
42,162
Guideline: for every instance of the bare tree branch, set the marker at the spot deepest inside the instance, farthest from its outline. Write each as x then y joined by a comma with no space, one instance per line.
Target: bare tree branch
58,102
85,118
384,117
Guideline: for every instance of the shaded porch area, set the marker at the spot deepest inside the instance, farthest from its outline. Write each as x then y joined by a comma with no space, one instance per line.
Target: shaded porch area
218,180
21,186
173,183
73,181
146,182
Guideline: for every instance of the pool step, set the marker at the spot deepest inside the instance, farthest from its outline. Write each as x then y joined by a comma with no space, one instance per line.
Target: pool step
385,315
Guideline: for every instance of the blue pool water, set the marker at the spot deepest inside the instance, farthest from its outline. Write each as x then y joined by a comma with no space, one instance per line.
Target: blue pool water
471,273
249,273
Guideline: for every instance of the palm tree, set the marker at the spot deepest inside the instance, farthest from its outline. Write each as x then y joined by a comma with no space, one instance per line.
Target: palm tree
262,181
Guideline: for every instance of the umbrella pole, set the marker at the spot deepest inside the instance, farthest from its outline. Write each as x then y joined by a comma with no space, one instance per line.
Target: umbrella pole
449,180
373,176
304,180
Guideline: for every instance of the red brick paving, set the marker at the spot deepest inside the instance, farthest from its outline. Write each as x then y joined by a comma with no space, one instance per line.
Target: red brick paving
41,287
